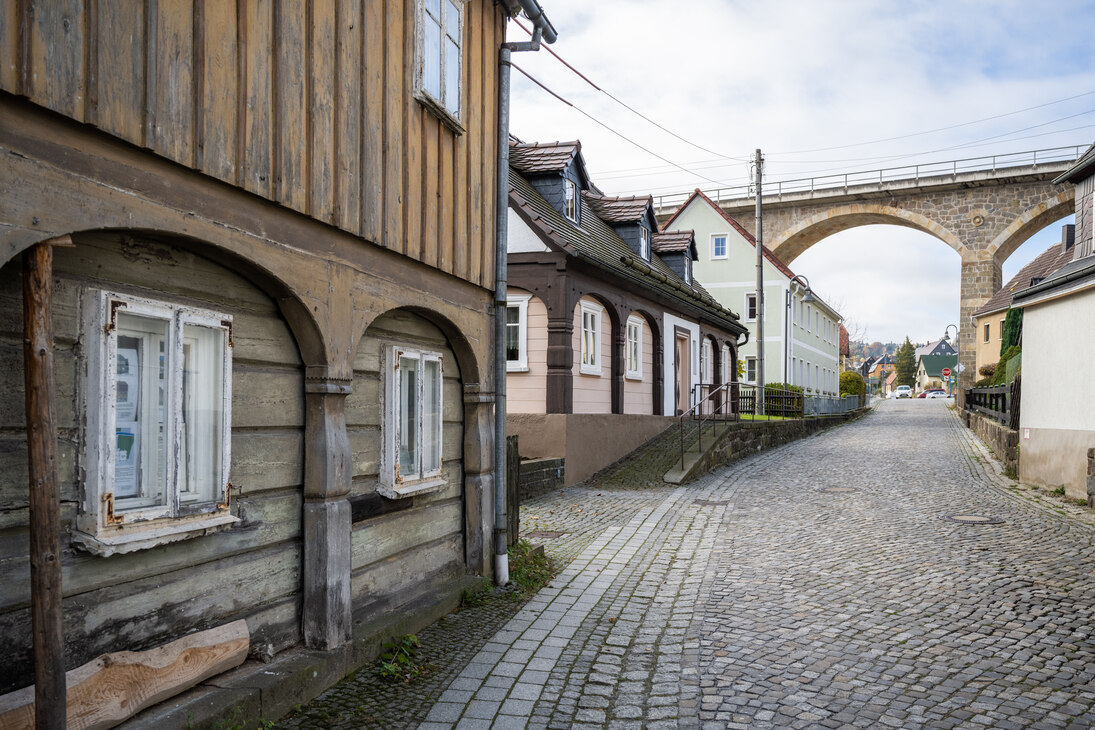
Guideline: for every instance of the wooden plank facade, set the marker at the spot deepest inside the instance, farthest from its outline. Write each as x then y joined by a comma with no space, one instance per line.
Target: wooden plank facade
268,162
306,104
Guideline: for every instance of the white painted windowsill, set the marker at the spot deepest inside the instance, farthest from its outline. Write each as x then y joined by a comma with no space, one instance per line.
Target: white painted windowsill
141,536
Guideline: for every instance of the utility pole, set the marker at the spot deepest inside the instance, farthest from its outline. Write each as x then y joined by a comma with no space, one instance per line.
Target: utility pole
760,287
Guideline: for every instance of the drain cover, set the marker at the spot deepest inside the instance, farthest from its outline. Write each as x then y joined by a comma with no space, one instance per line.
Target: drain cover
544,534
711,502
973,519
837,490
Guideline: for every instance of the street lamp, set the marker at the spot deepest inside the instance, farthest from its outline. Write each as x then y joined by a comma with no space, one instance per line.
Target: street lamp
808,298
946,332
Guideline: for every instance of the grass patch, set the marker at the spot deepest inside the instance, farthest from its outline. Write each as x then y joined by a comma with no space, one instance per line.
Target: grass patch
530,569
400,662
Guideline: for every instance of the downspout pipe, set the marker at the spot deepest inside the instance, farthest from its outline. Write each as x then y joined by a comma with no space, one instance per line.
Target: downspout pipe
542,28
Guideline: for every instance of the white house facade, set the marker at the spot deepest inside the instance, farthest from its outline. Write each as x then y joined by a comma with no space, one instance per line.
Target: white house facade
801,332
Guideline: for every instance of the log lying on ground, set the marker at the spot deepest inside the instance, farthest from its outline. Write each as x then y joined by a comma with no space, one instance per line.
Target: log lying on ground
114,687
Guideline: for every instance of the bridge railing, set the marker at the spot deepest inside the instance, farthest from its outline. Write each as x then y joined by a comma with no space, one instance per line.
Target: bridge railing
912,173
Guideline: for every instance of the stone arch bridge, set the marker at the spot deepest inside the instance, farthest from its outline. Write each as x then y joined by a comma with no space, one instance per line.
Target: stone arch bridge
983,214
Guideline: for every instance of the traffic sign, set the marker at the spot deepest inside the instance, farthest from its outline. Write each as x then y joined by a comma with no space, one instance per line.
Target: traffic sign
946,372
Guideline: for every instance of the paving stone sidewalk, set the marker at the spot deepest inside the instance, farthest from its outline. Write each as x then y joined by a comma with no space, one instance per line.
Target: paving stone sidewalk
822,584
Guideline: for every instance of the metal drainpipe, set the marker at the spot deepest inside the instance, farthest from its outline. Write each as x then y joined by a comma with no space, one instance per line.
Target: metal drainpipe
541,28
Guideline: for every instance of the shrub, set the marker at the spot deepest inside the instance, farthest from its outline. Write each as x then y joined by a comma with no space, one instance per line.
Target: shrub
987,370
983,383
852,383
1000,376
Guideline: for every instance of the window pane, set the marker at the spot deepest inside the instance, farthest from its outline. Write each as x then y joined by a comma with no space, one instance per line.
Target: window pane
431,59
408,417
452,20
452,77
513,333
140,408
202,414
433,7
431,415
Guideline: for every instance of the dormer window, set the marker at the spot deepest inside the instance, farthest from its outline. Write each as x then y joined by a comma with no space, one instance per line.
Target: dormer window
644,242
570,207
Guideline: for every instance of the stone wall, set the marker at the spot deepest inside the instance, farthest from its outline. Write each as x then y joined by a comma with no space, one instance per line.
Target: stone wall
1003,441
748,437
541,475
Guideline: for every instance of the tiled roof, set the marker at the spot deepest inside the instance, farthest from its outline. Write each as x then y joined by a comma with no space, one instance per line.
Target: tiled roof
674,242
533,159
618,210
595,241
772,258
1041,267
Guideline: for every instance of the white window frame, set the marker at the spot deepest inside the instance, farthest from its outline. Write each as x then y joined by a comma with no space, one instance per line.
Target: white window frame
687,269
391,483
633,345
590,360
726,364
725,246
751,296
572,205
707,362
644,242
520,303
450,116
751,363
100,527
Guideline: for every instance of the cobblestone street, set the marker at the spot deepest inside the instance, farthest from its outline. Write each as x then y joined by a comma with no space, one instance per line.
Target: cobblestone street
879,574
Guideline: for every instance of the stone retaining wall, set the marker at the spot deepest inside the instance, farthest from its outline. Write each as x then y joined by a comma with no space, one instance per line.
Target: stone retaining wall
541,475
748,437
1003,441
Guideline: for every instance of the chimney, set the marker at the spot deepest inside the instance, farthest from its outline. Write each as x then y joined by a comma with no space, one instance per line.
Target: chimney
1068,237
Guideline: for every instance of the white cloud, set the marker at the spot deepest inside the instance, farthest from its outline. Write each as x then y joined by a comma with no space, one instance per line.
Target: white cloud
789,77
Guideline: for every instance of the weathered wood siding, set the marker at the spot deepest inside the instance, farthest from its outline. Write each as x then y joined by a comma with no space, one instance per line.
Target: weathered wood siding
127,602
401,554
308,104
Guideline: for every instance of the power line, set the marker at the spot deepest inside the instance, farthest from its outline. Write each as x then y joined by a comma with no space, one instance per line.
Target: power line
610,129
631,109
939,129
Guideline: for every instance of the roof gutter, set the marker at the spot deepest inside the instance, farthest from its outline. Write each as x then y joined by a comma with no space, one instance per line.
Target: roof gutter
542,28
1051,284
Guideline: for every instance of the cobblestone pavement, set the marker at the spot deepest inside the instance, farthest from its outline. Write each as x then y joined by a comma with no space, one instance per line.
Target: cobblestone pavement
819,584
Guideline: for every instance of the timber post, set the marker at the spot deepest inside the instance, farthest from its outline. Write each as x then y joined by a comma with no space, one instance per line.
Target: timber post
45,494
327,521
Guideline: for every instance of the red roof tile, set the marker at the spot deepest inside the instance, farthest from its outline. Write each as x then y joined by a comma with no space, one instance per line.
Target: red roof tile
1045,264
673,242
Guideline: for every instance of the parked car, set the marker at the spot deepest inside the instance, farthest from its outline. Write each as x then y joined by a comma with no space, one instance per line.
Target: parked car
937,393
903,391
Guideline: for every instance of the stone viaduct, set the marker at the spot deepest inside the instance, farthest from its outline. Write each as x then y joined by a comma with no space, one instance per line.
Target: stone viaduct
984,215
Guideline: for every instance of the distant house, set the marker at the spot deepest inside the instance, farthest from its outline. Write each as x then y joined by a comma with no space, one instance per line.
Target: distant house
877,370
1057,421
938,347
801,332
989,319
609,333
929,371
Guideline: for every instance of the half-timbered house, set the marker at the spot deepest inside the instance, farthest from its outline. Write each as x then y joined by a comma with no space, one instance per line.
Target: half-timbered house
608,334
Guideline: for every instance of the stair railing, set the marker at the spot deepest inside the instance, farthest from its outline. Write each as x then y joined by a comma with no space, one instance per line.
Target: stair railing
712,402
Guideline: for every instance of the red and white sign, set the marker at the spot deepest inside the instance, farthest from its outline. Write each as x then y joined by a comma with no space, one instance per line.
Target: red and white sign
946,372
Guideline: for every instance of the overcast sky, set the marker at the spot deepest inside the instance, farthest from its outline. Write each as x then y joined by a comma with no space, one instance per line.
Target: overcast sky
818,86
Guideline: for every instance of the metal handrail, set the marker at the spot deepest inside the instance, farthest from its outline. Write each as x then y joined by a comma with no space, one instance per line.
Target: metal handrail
991,163
719,406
